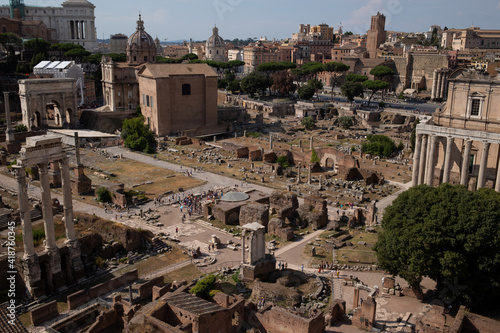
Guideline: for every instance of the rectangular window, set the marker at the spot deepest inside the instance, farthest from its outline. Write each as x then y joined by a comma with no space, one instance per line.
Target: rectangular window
147,100
152,101
471,163
475,107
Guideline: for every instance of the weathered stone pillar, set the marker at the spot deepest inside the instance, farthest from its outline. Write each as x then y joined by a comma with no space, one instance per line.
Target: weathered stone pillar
298,174
24,211
497,183
271,141
423,157
440,84
447,159
243,236
311,143
434,85
47,207
309,175
430,166
9,132
67,201
464,176
445,85
300,143
416,160
77,149
245,133
481,179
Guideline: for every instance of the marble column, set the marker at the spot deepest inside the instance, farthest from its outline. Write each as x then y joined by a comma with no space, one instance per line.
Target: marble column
298,173
497,183
67,201
440,83
311,143
271,141
47,208
77,149
447,159
243,236
416,160
24,211
481,179
309,175
430,165
423,158
434,85
464,176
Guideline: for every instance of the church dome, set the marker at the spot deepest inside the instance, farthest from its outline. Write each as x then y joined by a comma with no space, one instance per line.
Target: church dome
140,38
215,40
141,46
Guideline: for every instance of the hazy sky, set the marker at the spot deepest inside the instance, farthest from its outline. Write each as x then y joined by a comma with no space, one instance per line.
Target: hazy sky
184,19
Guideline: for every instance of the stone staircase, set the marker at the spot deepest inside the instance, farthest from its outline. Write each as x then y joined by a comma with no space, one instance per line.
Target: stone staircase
159,246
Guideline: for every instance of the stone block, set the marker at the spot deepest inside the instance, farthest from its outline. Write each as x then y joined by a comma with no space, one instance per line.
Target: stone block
43,313
254,212
255,155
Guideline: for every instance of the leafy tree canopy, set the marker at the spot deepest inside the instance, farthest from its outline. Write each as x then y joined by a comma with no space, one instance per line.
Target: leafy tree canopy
352,89
308,122
336,67
283,82
448,234
314,156
136,135
351,77
306,92
345,122
378,145
273,66
375,86
382,72
203,287
255,82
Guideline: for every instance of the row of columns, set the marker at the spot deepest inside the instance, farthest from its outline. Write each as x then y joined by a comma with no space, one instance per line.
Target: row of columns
439,84
424,161
77,29
24,210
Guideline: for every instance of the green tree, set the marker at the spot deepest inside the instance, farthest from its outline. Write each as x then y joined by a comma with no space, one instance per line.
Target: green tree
345,122
306,92
335,69
448,234
283,161
273,66
348,33
234,86
316,84
203,287
222,83
314,156
351,77
255,83
308,122
374,86
136,135
383,73
352,89
103,195
378,145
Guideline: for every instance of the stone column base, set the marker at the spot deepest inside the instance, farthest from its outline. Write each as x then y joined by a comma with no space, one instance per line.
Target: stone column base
76,260
32,276
58,278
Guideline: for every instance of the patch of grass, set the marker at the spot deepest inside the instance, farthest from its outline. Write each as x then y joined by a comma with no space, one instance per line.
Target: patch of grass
254,134
186,273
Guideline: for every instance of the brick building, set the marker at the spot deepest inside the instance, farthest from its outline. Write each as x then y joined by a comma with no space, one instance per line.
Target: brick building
178,97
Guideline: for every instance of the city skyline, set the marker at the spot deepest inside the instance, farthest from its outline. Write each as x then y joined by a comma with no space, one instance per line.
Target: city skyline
247,19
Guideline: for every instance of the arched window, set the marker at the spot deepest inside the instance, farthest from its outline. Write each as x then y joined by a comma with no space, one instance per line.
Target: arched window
186,89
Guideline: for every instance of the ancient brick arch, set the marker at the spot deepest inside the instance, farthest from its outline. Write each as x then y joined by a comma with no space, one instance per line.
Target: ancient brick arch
330,162
36,94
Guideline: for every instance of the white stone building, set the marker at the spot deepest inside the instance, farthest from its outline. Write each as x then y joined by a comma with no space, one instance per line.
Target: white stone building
73,22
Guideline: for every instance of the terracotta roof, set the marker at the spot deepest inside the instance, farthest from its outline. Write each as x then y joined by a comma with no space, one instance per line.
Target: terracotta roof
7,326
193,304
166,70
